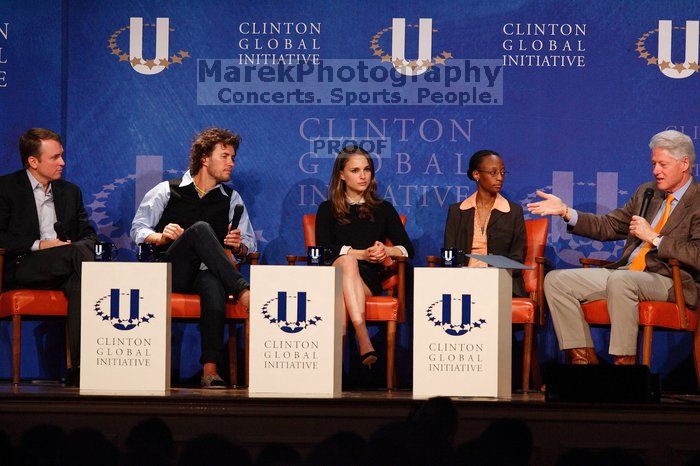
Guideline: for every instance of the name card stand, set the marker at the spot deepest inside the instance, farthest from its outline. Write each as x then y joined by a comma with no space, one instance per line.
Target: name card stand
296,324
462,332
125,328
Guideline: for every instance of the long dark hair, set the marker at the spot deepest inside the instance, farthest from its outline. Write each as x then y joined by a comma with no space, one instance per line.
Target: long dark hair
336,188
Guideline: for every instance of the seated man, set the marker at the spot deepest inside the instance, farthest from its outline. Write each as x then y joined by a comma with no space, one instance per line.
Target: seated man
45,230
669,230
188,222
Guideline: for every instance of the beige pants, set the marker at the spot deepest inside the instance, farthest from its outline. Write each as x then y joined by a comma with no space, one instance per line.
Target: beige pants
623,289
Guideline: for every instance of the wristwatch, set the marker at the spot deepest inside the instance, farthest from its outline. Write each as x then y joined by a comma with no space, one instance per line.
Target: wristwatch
656,241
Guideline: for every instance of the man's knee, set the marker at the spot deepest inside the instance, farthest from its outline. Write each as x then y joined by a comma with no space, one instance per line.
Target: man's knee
201,227
554,280
82,252
620,281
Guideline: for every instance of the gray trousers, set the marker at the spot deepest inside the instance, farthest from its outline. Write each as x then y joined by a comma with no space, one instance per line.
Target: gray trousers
623,289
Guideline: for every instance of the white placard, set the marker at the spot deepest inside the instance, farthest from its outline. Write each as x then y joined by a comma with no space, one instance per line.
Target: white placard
462,332
125,328
296,321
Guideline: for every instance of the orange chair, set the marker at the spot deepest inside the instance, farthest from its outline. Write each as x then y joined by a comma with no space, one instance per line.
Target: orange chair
186,307
663,314
29,304
529,312
390,309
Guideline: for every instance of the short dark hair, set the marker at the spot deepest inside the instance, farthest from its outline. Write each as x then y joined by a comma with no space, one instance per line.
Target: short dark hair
476,159
30,143
204,143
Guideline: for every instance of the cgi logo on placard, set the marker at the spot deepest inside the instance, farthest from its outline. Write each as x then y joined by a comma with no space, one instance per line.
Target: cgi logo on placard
664,45
135,57
398,47
281,304
444,307
107,309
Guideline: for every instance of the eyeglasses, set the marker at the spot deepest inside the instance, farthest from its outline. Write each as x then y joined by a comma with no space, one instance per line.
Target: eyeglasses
493,173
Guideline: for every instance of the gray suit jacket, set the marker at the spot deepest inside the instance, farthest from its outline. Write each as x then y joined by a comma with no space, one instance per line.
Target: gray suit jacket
681,235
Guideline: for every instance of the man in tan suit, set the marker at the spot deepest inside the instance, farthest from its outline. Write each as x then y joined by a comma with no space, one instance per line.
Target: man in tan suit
670,229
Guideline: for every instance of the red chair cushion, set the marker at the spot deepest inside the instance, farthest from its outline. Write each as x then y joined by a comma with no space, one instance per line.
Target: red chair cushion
33,303
381,308
665,314
523,311
186,306
596,312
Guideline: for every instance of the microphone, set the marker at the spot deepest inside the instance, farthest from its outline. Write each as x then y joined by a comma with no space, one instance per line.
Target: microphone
648,194
237,213
60,231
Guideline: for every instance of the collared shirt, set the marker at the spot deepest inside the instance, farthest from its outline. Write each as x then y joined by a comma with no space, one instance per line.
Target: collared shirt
676,199
153,205
480,238
45,210
345,249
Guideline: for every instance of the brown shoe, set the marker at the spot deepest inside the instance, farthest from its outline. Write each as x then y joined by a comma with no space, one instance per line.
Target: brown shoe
582,356
626,360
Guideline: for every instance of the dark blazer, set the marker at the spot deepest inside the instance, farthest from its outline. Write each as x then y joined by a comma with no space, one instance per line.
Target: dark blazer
681,235
505,236
19,222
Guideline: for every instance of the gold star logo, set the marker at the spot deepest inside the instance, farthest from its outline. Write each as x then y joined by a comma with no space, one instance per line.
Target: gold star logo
150,64
439,60
651,61
386,58
135,61
644,55
446,55
398,62
116,51
378,52
164,63
176,59
184,54
693,66
123,57
664,65
679,67
640,48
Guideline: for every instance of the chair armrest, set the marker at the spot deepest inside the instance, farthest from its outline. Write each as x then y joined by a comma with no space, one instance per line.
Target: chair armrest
433,261
678,291
401,285
292,260
586,262
539,293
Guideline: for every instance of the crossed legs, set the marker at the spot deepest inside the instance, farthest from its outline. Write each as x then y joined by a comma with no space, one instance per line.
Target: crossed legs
354,293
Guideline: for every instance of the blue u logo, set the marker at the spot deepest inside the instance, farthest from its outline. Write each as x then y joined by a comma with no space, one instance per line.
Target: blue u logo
113,316
444,319
282,318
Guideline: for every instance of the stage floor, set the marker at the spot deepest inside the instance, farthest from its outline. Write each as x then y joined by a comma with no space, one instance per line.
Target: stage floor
664,433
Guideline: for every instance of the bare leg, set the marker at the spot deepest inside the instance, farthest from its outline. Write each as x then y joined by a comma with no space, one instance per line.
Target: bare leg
354,293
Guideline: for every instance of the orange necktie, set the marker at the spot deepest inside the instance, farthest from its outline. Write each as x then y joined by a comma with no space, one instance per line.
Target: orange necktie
639,263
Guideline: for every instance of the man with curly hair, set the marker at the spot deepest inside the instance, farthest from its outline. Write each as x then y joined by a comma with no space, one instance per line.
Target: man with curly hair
187,221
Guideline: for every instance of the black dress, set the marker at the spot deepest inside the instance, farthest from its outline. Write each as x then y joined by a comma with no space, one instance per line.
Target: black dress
361,234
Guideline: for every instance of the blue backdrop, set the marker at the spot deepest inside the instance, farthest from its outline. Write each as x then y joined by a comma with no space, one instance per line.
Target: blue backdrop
580,90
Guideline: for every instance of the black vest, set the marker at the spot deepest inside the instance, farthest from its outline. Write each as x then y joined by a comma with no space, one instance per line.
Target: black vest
185,208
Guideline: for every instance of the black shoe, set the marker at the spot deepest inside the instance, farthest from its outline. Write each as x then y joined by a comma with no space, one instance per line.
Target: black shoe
369,358
72,378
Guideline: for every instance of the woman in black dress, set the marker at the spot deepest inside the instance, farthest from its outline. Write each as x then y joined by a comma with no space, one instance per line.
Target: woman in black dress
354,224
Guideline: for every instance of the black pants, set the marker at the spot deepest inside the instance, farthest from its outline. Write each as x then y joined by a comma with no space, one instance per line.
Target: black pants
58,268
199,245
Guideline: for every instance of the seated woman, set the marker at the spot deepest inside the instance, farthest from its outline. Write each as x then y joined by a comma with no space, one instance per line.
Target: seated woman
486,222
353,223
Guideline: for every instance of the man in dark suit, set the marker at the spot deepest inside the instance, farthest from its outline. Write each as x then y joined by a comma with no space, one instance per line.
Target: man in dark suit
44,228
670,229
